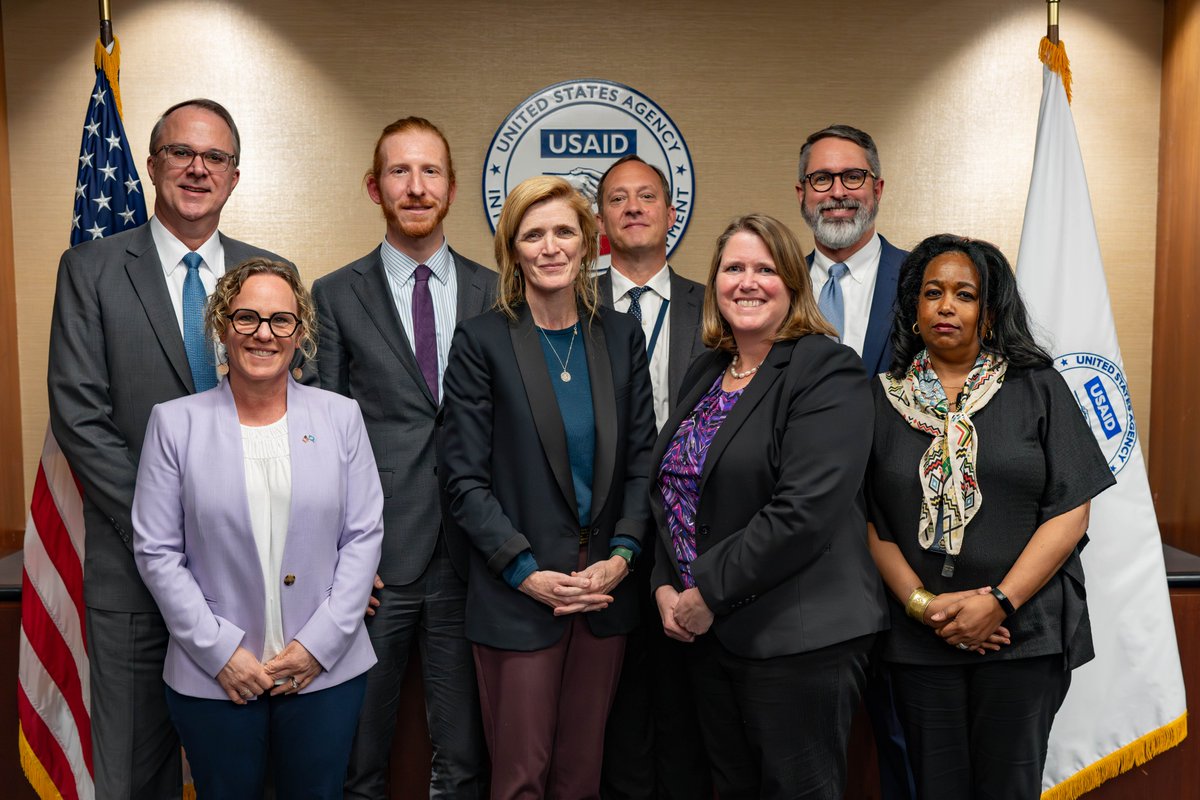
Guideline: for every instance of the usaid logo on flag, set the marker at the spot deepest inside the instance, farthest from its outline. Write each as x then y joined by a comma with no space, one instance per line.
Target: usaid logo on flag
575,130
1103,396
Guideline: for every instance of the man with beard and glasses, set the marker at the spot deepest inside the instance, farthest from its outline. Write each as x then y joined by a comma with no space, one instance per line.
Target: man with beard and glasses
386,324
854,272
854,269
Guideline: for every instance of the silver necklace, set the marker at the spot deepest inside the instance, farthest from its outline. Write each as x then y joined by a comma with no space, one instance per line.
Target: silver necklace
565,375
739,375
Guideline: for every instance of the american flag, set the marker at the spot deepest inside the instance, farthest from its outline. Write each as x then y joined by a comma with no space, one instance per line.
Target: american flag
53,691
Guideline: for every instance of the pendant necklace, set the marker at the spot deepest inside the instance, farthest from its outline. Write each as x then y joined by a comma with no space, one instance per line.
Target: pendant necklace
565,375
739,375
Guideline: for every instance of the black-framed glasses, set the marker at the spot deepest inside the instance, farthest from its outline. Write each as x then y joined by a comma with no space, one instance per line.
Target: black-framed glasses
247,321
180,155
822,181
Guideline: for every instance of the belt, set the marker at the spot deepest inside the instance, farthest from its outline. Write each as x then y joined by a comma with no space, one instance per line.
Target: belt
584,535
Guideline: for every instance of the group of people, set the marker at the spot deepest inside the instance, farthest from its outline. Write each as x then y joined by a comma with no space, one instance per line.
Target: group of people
654,538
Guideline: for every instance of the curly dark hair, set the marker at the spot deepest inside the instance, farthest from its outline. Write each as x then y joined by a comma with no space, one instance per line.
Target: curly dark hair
1003,327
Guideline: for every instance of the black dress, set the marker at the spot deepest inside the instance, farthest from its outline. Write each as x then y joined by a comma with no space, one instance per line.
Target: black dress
1037,459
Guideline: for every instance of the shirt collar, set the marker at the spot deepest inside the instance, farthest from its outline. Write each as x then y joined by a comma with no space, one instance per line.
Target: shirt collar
402,266
660,283
862,265
171,251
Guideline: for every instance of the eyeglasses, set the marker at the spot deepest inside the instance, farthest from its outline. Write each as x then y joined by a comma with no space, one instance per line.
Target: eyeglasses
247,322
180,155
850,178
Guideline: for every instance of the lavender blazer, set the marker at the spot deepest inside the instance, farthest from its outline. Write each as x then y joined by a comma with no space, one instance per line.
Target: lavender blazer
195,549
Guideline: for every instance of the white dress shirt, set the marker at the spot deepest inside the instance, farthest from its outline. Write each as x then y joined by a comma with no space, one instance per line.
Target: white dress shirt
268,467
651,303
443,288
171,252
858,287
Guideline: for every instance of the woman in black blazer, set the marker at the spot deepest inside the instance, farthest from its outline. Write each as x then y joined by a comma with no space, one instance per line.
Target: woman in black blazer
545,440
762,556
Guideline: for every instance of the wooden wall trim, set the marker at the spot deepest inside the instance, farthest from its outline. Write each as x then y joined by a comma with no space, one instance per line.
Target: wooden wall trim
12,479
1175,383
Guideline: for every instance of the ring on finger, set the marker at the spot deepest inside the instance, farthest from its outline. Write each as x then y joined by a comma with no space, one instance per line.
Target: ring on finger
295,683
246,693
963,646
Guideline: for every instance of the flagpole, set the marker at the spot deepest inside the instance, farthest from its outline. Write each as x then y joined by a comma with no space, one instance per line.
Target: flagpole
1051,19
106,35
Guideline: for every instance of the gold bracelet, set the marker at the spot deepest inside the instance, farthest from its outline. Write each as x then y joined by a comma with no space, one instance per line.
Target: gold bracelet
918,601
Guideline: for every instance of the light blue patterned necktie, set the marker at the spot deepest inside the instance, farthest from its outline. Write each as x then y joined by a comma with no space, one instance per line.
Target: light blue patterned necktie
831,303
199,351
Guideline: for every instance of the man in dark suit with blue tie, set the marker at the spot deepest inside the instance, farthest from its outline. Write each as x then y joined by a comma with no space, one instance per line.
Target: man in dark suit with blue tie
127,333
386,324
854,272
839,188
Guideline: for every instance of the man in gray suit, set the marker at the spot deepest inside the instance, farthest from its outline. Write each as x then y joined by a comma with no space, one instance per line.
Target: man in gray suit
386,324
652,746
125,313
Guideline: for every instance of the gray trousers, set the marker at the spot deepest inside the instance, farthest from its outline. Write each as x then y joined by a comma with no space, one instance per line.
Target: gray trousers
135,750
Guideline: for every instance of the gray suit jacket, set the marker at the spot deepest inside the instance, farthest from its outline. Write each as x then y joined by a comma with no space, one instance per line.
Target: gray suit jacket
115,352
683,314
365,354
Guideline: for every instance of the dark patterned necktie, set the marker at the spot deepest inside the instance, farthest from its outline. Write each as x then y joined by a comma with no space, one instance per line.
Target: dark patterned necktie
635,305
425,330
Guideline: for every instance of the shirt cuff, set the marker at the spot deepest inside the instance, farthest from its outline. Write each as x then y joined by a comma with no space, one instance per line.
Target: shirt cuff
520,568
626,541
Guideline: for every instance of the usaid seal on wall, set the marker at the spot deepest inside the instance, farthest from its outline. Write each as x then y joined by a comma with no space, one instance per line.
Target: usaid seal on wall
576,129
1103,396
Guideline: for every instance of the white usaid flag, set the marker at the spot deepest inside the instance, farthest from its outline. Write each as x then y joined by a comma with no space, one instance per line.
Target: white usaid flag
1128,704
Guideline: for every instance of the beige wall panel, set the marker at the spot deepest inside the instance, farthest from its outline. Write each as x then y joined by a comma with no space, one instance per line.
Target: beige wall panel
949,89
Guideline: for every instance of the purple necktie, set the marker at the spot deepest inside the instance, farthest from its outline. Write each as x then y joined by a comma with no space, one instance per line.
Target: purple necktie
424,330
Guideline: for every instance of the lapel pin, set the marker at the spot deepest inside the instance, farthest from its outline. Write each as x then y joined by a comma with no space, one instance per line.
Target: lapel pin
309,439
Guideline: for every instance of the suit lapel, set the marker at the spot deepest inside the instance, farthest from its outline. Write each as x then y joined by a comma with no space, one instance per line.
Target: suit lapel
604,288
375,294
310,451
880,321
752,395
604,409
145,272
531,361
685,307
472,299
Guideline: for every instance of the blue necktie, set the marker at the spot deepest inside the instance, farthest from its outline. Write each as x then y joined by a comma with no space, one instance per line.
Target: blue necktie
199,351
831,303
635,305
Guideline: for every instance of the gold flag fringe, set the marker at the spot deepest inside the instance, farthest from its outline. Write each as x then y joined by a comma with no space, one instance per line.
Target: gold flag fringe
111,64
1137,752
1054,56
35,773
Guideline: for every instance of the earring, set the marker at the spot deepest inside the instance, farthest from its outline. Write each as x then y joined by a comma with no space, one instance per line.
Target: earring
223,369
916,330
297,373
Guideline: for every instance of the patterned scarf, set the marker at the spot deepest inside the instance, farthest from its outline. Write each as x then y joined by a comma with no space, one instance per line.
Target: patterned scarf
951,493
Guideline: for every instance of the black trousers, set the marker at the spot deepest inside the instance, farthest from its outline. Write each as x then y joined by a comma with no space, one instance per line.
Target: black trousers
980,730
652,744
778,728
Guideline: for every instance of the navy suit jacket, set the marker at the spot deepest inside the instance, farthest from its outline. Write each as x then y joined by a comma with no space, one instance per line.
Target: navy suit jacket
877,350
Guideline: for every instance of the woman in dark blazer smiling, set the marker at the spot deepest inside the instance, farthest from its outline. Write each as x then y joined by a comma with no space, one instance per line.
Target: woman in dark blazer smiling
762,557
545,440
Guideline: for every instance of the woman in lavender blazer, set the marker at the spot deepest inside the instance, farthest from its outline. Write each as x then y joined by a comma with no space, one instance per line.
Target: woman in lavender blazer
257,528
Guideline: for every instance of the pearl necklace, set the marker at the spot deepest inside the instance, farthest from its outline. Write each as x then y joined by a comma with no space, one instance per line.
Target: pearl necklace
739,375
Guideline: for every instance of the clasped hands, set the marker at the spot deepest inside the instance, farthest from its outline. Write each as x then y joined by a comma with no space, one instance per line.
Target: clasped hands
244,677
684,614
588,590
970,617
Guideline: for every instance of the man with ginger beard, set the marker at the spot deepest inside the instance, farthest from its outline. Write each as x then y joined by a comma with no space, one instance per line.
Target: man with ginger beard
854,272
386,324
839,188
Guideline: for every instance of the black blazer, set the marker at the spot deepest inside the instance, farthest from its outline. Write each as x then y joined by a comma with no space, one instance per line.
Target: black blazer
780,523
507,476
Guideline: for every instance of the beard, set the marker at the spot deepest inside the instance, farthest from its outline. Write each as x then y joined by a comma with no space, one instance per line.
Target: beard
415,229
837,234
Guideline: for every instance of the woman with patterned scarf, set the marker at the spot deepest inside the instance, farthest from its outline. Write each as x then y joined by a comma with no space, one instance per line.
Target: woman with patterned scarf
982,472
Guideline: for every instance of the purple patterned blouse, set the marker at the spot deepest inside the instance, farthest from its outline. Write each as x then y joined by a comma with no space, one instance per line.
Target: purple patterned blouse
682,465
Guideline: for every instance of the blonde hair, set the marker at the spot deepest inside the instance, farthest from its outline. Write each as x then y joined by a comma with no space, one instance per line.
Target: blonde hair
803,316
528,193
230,286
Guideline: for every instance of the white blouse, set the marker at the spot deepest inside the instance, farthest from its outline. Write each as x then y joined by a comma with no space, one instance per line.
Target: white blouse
268,469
